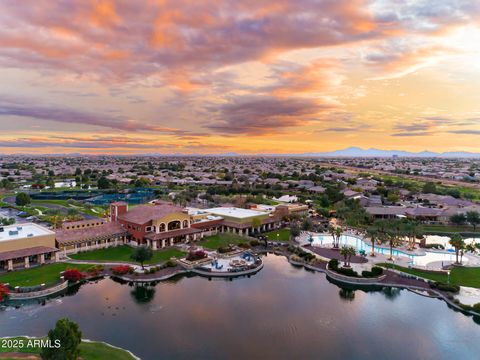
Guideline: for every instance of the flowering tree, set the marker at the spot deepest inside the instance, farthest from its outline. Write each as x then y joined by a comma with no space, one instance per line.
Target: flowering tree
196,255
73,275
3,292
121,269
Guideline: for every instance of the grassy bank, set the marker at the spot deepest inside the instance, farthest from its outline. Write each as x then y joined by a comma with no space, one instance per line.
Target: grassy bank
462,276
222,239
450,229
278,235
88,350
123,254
45,274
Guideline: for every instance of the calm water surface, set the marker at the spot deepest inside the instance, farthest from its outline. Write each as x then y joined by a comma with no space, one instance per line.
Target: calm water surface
282,312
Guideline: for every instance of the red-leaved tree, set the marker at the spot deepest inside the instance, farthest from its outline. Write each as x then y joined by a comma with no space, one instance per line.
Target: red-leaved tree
73,275
3,292
121,269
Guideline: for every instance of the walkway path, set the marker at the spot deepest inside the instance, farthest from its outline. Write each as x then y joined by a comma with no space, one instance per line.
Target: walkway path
335,254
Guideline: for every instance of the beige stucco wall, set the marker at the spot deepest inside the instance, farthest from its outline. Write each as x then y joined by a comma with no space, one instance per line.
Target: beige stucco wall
25,243
180,216
245,220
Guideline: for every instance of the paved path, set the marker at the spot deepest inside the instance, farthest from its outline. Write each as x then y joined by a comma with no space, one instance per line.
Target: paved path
335,254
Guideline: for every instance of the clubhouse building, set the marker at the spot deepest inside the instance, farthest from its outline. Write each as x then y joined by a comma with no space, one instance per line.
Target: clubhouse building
156,225
25,245
163,224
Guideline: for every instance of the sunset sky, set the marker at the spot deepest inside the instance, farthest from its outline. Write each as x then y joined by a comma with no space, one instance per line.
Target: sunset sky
245,76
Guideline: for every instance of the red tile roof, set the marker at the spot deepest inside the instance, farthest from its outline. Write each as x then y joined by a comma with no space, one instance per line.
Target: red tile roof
92,233
37,250
143,214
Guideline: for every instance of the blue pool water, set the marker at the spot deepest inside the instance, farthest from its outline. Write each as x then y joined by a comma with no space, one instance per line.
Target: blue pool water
359,244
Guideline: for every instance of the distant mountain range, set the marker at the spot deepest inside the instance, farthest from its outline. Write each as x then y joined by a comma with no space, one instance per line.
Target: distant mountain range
348,152
372,152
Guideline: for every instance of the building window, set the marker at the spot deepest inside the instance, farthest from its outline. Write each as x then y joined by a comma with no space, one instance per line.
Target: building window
161,227
173,225
185,223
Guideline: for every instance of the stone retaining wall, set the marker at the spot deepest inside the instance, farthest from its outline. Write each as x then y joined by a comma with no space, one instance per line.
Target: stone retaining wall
354,280
39,293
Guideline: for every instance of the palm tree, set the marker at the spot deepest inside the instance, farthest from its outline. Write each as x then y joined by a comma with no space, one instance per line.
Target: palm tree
372,233
392,235
458,243
338,233
344,252
410,229
347,252
331,230
351,252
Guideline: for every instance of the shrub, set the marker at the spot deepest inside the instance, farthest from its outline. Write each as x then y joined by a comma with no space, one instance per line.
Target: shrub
95,270
333,264
224,249
347,272
254,242
196,255
375,272
434,246
445,287
291,248
73,275
171,263
244,245
476,307
122,270
296,258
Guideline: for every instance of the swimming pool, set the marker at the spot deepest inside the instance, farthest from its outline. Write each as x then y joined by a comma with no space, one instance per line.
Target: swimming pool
359,244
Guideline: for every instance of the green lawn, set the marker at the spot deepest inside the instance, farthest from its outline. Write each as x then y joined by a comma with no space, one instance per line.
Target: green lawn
46,274
122,253
463,276
450,228
222,239
88,351
283,235
60,202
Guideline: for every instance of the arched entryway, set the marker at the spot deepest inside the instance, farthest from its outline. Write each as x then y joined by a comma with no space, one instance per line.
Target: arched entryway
173,225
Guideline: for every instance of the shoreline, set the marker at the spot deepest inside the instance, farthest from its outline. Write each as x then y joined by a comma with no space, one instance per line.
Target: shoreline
272,250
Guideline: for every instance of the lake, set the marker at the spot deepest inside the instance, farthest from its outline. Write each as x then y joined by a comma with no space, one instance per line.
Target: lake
282,312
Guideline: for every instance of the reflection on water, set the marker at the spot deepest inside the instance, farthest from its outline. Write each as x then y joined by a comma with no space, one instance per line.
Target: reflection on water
143,294
347,294
282,312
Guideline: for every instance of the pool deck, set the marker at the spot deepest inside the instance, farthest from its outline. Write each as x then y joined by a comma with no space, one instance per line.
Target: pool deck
331,253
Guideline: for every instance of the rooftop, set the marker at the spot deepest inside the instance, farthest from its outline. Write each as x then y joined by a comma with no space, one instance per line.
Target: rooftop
142,214
235,212
21,231
93,233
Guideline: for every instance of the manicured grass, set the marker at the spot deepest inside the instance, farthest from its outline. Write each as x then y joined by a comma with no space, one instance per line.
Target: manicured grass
462,276
123,253
88,350
283,235
45,274
450,228
467,276
222,239
164,255
422,273
60,202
